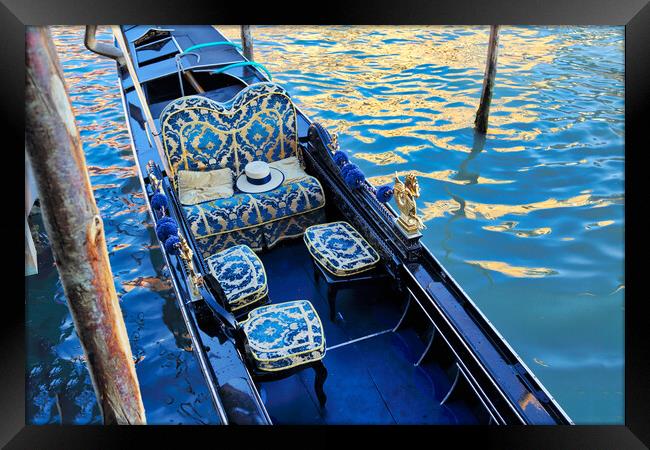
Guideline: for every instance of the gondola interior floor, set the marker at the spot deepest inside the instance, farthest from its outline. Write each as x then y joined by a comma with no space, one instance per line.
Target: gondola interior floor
372,378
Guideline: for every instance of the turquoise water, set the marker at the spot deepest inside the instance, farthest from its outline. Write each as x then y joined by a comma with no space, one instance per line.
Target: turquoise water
530,220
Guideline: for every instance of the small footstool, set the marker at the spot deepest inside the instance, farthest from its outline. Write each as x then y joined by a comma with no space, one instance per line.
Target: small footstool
241,278
283,338
341,256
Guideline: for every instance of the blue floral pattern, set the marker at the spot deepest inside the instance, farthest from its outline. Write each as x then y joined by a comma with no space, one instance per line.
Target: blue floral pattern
243,211
240,274
340,249
259,123
284,335
252,237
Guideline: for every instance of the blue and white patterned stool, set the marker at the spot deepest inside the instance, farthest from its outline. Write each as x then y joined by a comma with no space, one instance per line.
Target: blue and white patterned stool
241,277
286,337
341,256
340,249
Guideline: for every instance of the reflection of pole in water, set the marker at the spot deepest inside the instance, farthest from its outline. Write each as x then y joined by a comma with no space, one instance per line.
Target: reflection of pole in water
477,147
463,174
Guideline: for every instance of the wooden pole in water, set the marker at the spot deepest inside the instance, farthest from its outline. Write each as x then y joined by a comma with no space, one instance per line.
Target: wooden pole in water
483,111
76,232
247,41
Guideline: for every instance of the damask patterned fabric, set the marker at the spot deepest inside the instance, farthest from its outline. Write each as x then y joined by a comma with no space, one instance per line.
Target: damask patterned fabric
264,236
243,211
260,123
284,335
252,237
240,274
340,249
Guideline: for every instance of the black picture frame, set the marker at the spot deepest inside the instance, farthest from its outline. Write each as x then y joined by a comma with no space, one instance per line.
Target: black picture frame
633,14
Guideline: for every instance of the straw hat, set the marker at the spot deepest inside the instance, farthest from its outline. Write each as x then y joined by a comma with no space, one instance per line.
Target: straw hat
258,177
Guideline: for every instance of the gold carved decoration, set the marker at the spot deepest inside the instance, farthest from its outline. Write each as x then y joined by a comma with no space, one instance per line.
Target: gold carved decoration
405,194
334,143
186,254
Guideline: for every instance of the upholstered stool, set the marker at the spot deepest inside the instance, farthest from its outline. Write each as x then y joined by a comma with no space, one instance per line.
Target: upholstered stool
241,278
341,256
285,336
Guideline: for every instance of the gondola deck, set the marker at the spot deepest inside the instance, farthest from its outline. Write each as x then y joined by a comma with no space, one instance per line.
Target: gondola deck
373,375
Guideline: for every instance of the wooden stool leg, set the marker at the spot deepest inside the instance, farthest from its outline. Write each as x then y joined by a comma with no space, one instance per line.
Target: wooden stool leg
331,299
319,382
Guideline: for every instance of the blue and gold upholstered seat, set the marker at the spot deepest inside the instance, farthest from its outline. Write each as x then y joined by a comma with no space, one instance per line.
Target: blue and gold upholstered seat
259,123
284,335
241,276
340,249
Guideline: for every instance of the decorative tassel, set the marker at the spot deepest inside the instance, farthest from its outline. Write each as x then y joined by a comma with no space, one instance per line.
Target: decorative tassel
170,245
166,219
346,168
353,177
384,193
158,201
340,158
166,229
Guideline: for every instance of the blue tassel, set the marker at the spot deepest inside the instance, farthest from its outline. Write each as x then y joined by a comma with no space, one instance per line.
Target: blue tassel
354,177
166,229
170,245
158,201
166,219
340,158
348,167
384,193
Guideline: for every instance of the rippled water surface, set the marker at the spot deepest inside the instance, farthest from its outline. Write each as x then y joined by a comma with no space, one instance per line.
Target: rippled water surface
529,220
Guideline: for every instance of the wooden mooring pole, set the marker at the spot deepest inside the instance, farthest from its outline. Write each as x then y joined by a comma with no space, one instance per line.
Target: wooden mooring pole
481,121
247,42
76,233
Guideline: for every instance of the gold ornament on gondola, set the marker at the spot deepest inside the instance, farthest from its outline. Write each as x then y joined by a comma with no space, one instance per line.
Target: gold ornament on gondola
334,143
405,194
186,254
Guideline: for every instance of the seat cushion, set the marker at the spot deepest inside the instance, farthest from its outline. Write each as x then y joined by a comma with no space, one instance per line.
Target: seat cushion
240,274
243,211
291,169
340,249
199,187
284,335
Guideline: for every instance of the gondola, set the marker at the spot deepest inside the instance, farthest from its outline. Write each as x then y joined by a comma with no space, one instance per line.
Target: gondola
312,302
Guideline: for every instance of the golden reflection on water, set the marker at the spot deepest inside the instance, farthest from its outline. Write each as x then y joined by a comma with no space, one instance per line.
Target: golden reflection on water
381,159
600,224
408,69
152,283
514,271
474,210
509,227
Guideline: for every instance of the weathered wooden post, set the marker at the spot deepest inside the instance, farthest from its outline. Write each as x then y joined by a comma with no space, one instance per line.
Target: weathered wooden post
483,111
247,42
76,232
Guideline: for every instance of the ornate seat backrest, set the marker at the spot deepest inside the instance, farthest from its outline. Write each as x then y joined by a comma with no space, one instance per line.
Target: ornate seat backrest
259,123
